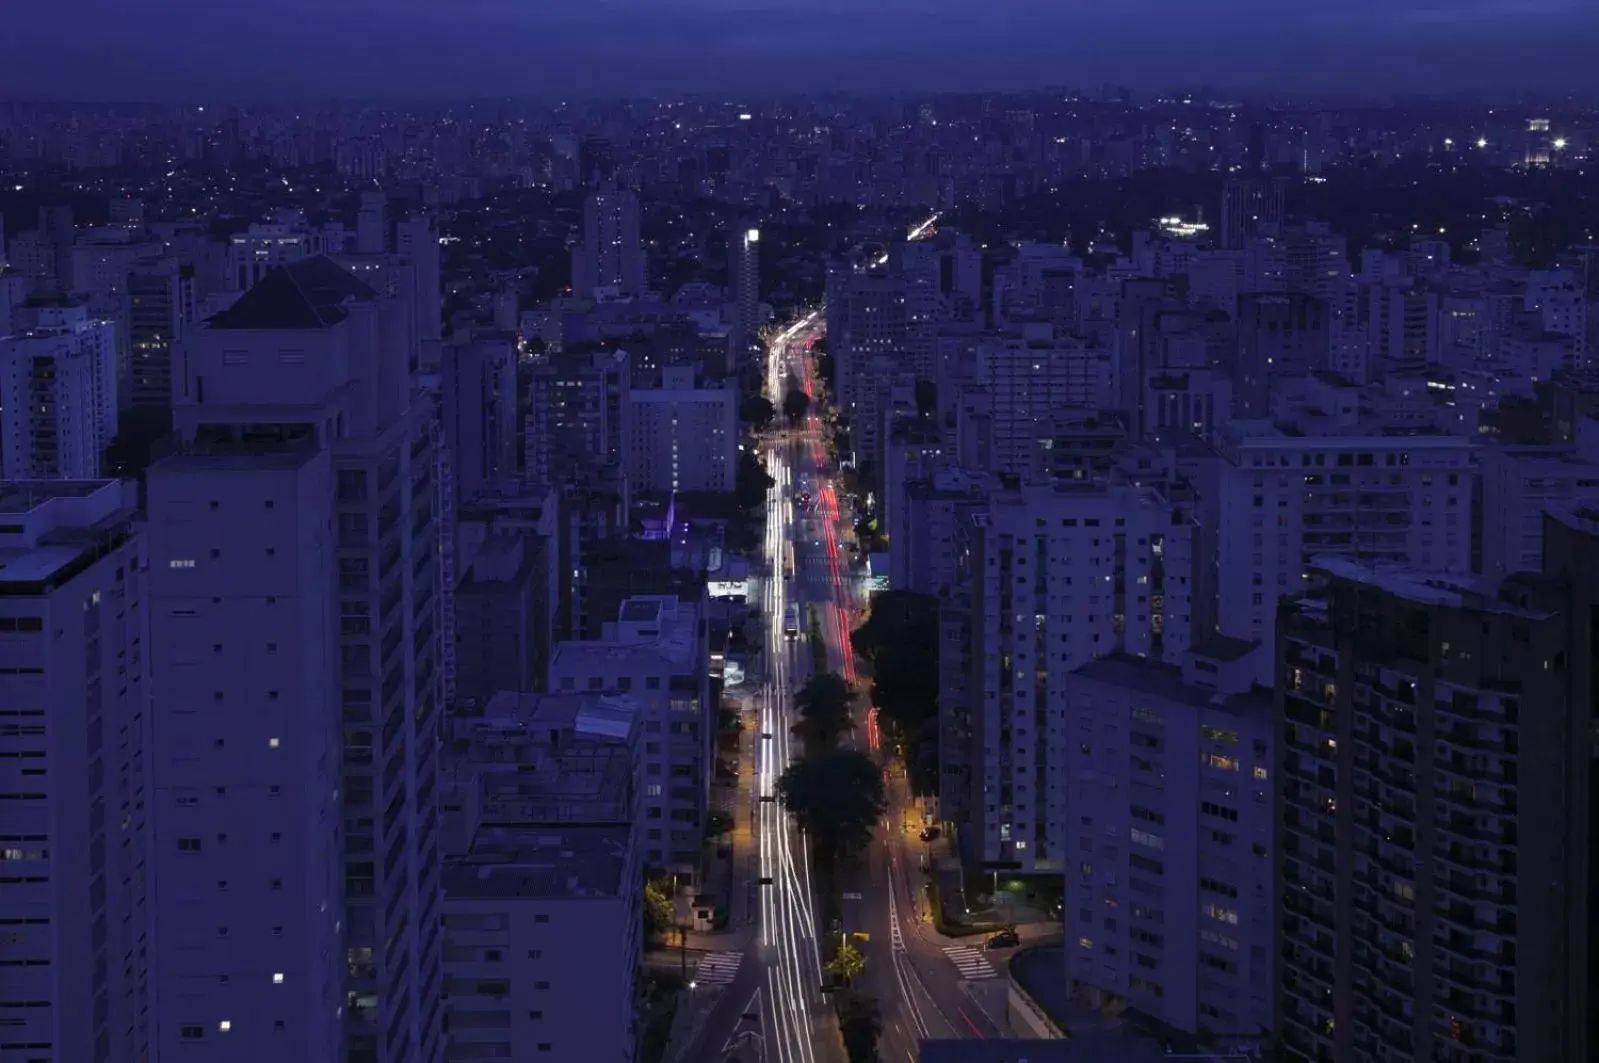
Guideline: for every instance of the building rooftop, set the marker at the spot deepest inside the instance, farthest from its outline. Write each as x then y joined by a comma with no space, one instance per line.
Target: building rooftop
542,862
1162,680
308,294
1422,588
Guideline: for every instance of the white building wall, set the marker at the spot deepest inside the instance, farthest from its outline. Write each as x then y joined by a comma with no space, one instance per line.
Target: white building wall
58,382
1057,586
1168,903
549,976
1280,500
246,759
74,829
682,438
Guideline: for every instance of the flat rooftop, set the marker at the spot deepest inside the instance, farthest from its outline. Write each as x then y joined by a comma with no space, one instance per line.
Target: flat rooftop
540,862
1162,680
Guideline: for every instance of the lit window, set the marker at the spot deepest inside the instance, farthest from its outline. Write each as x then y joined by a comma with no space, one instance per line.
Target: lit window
224,1026
277,978
272,743
1085,943
186,563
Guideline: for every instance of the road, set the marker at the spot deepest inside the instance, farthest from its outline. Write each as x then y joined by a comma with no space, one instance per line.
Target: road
920,991
773,1008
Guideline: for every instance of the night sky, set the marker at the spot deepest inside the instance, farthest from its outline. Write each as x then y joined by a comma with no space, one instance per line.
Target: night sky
254,50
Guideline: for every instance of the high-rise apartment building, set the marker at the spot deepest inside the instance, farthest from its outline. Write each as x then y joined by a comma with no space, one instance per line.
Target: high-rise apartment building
478,405
610,256
1276,499
682,435
1060,575
297,580
1428,821
744,281
1247,207
58,393
1280,336
657,652
372,224
577,415
1031,379
1168,798
156,319
75,732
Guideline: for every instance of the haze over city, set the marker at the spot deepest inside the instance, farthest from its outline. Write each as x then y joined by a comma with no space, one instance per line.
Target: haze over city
420,49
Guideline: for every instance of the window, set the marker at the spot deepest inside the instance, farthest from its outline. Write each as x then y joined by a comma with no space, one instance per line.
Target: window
191,1033
1217,760
272,743
188,845
181,563
224,1026
277,978
1085,943
1221,915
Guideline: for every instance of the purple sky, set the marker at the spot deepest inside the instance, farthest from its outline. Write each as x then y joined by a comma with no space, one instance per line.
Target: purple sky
265,49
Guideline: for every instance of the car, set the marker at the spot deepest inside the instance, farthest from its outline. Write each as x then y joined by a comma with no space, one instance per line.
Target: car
1005,939
930,833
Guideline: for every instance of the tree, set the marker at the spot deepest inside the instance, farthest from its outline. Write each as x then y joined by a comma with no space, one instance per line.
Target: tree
837,797
660,906
718,824
846,963
900,639
823,704
751,481
758,411
796,404
861,1023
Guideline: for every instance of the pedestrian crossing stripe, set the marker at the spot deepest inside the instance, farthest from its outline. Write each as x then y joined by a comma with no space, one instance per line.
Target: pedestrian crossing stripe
718,968
971,963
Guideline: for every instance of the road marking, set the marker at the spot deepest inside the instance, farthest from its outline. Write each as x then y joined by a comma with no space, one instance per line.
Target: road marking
718,968
971,963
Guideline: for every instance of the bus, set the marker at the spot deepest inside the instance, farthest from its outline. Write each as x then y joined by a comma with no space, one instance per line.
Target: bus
788,560
791,620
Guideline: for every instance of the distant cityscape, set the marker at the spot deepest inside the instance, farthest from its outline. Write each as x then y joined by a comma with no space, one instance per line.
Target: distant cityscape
1037,576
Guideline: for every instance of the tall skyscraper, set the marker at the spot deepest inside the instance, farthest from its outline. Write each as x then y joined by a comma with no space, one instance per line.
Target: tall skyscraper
1429,827
297,583
416,239
1246,208
610,256
1280,335
58,393
74,731
155,323
744,267
478,404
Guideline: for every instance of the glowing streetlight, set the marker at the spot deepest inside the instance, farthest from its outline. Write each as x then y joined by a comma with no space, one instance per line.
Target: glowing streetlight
1482,142
1560,143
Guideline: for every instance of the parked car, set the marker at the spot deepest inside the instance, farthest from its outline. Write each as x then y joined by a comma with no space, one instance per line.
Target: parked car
930,833
1005,939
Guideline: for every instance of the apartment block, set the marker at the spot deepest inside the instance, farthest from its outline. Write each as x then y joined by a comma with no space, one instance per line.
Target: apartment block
1060,575
1427,819
75,735
1167,801
657,650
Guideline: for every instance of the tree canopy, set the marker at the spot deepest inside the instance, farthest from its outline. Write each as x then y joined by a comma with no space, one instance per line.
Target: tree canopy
796,404
837,797
824,712
900,639
751,481
861,1024
757,410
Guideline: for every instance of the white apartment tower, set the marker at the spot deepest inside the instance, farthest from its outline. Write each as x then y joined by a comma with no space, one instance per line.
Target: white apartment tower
58,394
1061,575
298,582
681,437
372,224
1167,802
1280,499
74,736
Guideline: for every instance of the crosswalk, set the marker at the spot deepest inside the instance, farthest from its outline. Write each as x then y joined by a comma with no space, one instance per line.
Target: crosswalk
717,968
970,962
